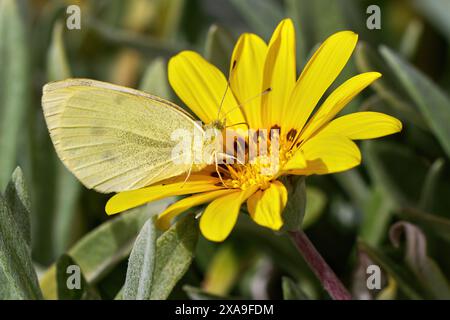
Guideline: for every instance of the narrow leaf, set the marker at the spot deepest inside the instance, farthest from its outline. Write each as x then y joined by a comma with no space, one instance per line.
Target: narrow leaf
427,272
16,266
402,275
17,197
138,283
199,294
291,290
154,80
175,251
432,102
262,16
72,284
14,84
437,225
219,47
104,247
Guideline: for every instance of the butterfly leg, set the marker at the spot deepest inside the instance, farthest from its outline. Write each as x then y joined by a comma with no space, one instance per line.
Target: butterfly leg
216,161
187,176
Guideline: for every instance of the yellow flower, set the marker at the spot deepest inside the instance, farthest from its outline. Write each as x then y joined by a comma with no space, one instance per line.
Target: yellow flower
308,143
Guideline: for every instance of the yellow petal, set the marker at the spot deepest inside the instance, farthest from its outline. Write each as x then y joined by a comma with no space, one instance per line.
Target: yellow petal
297,161
134,198
221,215
329,153
246,77
363,125
201,86
319,73
279,74
181,206
266,207
338,100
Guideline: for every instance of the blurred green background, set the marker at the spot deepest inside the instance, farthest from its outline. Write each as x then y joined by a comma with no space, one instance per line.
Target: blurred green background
393,210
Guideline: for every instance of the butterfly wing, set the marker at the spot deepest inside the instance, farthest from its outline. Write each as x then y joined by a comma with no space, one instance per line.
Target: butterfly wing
113,138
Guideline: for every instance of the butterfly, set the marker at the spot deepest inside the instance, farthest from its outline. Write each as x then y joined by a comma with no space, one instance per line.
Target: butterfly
114,138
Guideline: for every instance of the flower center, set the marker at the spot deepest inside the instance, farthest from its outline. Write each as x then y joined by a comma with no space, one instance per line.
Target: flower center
259,170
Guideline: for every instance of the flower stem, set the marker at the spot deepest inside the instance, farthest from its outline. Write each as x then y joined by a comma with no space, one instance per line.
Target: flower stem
321,269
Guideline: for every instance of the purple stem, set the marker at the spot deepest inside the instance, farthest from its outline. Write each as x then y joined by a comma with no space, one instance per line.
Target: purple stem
322,270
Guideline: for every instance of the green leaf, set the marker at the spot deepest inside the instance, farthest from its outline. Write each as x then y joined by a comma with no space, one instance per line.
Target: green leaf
390,166
428,97
261,16
315,203
174,254
19,279
104,247
403,276
57,65
169,16
17,197
431,185
291,290
387,87
199,294
354,185
14,84
151,46
63,274
376,216
138,283
219,47
437,225
154,80
295,208
427,272
223,271
437,13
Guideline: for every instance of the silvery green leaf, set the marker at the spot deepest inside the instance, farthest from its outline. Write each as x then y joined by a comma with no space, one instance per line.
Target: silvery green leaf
14,84
72,284
19,280
16,195
104,247
141,264
219,47
174,254
154,80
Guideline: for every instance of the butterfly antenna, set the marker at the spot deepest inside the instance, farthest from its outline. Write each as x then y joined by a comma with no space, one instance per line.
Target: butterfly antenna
226,89
241,105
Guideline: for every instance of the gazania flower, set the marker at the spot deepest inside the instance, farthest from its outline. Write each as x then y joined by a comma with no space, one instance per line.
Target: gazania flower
309,143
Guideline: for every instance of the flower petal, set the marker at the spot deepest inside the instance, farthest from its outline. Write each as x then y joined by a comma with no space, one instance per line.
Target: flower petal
319,73
221,215
337,101
134,198
297,161
266,207
246,77
182,205
279,74
363,125
329,153
201,86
